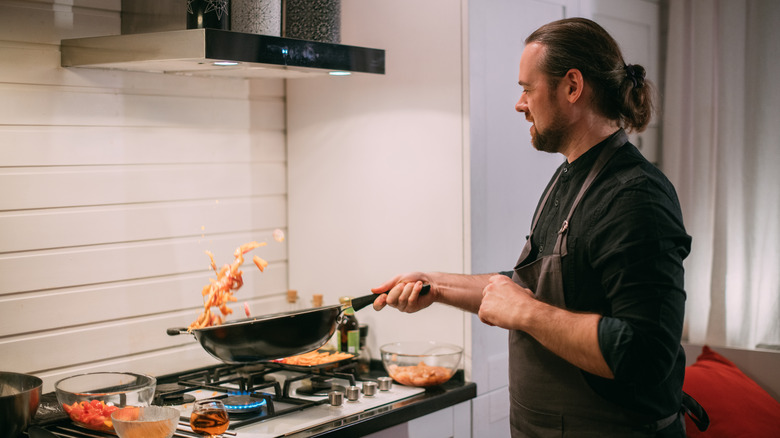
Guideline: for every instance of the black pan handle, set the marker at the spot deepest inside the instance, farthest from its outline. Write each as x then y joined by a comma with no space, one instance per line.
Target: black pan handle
361,302
176,331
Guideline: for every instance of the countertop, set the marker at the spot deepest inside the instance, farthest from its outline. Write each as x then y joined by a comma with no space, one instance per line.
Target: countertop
455,391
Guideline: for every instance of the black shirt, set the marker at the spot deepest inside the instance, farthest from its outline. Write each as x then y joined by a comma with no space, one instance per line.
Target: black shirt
626,246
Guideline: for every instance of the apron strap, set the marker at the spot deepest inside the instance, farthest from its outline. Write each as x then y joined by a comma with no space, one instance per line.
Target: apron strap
697,413
617,140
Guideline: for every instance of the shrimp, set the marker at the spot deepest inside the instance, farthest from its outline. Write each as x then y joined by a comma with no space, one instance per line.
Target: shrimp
420,374
261,264
219,292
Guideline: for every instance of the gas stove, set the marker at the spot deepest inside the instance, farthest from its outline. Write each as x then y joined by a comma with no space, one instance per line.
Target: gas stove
271,399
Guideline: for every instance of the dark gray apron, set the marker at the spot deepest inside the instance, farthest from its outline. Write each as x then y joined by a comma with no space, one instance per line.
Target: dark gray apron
549,396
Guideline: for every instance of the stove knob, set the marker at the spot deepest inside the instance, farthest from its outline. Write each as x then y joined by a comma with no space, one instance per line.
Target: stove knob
369,388
336,398
353,393
385,383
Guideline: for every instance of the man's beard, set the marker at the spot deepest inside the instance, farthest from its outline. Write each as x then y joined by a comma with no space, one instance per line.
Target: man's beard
552,138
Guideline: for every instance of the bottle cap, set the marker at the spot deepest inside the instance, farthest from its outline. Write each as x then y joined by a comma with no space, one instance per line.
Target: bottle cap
345,300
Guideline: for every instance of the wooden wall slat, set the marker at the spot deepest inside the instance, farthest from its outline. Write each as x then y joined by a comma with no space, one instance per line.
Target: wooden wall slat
69,146
50,269
104,185
48,310
47,106
166,361
98,341
59,228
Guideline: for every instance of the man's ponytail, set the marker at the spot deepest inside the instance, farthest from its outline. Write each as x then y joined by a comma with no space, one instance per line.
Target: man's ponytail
620,92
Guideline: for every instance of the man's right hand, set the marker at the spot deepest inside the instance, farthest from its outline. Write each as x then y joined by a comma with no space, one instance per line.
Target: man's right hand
403,293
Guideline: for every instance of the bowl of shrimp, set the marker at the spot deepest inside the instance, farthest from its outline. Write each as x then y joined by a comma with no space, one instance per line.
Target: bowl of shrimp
421,363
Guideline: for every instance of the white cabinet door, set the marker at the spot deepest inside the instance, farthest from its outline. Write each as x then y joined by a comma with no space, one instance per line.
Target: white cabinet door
451,422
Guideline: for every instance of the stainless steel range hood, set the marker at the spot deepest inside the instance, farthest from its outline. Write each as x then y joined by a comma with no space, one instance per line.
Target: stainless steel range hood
212,52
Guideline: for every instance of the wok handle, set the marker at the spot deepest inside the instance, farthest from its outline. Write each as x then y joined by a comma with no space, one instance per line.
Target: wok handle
176,331
361,302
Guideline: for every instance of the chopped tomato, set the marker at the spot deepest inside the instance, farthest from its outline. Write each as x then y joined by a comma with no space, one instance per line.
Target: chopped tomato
95,414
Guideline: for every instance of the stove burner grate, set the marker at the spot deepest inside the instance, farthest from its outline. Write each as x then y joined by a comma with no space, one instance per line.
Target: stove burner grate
172,394
318,385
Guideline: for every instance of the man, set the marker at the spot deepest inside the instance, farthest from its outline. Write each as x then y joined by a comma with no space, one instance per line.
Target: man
595,303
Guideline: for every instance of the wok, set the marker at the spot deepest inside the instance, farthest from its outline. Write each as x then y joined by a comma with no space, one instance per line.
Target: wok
20,395
274,336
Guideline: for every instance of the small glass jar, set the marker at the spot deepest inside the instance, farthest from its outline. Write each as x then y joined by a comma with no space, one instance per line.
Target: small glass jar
292,301
211,14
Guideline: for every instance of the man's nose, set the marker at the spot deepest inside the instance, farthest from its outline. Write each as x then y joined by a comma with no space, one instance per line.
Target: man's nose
521,106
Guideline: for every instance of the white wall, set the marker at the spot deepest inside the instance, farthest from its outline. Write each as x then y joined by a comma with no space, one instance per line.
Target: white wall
113,185
446,105
376,166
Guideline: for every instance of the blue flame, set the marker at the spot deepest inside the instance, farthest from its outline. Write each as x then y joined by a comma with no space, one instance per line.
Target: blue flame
254,405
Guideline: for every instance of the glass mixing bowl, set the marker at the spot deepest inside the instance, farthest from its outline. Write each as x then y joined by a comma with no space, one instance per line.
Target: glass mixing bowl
421,363
89,399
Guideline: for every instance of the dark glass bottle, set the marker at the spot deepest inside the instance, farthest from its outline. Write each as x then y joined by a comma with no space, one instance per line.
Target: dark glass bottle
211,14
349,330
364,356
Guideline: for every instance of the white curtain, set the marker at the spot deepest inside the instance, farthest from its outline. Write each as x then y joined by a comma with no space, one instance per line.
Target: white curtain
721,149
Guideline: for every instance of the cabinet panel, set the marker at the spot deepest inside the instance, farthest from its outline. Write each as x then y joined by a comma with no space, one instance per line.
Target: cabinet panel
438,424
635,24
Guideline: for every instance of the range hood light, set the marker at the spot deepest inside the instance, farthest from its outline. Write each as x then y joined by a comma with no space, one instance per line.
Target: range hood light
225,63
339,73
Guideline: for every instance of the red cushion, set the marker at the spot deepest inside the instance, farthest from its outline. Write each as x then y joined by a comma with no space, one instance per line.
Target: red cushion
737,406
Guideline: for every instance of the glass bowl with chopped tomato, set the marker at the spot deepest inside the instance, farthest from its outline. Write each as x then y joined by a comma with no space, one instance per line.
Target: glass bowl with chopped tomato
90,399
421,363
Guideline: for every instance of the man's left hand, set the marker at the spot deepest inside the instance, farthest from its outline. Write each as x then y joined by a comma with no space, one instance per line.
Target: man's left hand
503,303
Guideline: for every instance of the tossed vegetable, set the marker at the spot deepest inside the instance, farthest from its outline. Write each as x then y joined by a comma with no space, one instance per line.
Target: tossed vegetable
219,292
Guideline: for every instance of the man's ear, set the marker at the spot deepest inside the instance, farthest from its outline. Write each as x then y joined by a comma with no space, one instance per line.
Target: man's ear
574,85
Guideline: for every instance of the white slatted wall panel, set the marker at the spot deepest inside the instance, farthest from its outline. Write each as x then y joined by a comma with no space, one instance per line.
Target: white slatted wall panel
112,185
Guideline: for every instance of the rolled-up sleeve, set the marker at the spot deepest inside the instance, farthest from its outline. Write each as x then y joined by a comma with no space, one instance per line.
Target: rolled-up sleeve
638,250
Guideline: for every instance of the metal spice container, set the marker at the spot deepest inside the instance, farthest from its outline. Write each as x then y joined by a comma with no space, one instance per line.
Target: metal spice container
313,20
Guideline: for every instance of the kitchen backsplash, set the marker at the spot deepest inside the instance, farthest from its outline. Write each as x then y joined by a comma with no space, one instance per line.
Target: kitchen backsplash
114,185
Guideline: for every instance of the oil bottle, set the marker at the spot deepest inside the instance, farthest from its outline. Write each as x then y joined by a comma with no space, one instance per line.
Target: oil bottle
364,356
349,330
